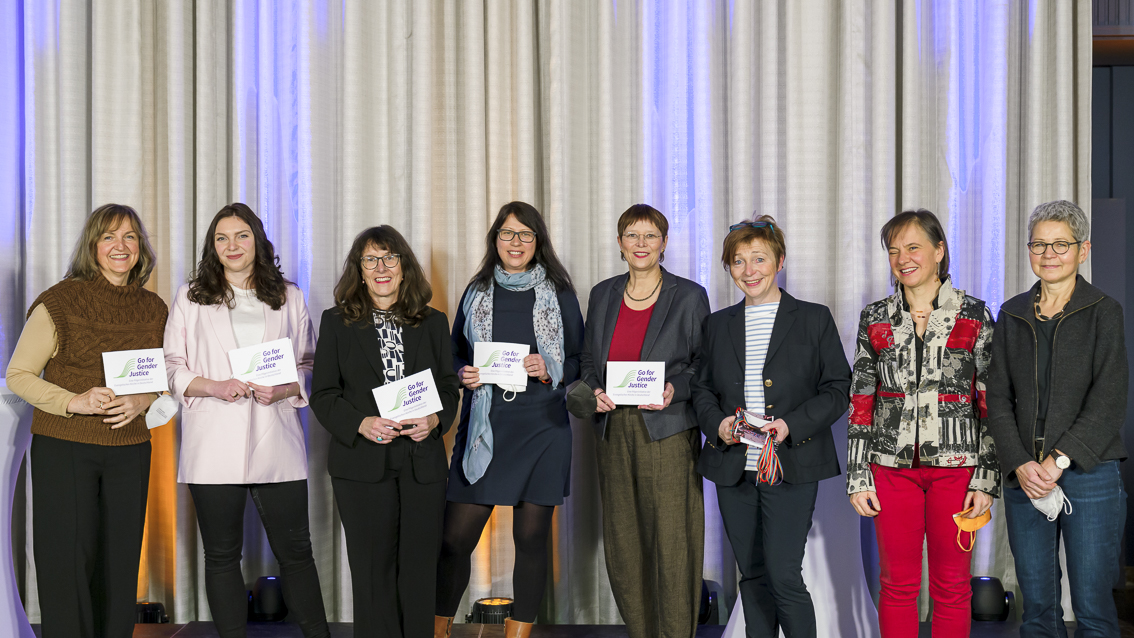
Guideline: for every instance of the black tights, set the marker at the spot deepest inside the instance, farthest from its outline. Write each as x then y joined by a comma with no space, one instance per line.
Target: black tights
464,523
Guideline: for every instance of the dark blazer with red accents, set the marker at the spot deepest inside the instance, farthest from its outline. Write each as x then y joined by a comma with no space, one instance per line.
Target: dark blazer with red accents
806,381
947,405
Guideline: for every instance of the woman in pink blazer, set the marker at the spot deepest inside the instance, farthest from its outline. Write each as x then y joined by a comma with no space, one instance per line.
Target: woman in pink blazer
239,438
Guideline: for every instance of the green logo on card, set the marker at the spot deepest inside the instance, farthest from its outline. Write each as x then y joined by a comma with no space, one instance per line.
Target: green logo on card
403,394
627,380
255,362
492,358
128,369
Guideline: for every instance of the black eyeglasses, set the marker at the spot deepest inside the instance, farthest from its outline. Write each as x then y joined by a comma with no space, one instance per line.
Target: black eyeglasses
749,224
370,262
526,236
1058,247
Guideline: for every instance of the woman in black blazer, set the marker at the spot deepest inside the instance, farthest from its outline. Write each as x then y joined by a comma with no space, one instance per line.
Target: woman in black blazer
773,355
388,477
653,506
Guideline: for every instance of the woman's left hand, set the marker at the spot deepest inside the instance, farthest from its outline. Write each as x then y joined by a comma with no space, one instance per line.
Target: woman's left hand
667,396
1052,469
535,366
979,501
269,394
419,428
780,429
122,410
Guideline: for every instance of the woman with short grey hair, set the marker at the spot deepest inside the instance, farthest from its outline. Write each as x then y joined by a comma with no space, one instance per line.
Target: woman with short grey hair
1056,406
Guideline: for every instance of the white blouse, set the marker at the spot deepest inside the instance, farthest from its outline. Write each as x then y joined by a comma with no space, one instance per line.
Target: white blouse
247,317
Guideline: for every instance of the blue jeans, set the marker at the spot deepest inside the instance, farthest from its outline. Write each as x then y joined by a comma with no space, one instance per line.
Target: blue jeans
1092,534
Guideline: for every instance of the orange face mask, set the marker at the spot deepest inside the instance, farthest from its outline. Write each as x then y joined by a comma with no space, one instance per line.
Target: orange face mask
970,525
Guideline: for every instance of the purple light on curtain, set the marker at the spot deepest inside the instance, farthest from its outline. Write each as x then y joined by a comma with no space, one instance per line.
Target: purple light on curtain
970,37
677,127
11,175
272,159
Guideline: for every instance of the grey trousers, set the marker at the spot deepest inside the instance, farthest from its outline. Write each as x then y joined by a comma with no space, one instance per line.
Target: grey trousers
653,524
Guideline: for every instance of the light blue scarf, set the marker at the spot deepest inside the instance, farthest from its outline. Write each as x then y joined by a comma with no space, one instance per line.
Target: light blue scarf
548,324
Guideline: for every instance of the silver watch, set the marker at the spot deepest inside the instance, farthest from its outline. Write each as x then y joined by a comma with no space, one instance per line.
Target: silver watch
1062,461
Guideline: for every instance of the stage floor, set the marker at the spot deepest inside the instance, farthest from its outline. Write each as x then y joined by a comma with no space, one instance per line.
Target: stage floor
462,630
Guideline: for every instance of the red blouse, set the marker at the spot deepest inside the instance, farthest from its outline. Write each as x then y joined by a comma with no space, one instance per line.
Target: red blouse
629,333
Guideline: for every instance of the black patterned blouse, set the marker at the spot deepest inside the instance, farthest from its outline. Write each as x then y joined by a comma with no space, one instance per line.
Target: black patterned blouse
390,340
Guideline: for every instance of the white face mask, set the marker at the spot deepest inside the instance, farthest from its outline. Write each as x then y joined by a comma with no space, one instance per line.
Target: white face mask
1051,504
161,411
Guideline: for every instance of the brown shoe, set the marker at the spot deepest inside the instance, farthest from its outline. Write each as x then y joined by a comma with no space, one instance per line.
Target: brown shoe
442,626
516,629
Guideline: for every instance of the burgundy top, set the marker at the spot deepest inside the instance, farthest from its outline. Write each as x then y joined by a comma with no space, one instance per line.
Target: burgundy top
629,333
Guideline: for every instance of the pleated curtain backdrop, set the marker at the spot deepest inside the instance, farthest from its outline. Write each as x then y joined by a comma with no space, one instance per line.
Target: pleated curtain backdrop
330,117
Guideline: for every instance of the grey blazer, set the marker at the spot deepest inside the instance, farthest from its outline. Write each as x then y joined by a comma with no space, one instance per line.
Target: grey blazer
673,336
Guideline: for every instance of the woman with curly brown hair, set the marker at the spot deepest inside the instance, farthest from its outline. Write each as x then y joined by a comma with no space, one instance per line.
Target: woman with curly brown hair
388,476
243,438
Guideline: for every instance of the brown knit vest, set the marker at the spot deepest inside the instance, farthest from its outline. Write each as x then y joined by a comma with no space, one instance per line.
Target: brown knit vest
92,317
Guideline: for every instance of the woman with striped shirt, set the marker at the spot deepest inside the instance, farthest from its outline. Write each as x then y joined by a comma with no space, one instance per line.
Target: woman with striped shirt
778,362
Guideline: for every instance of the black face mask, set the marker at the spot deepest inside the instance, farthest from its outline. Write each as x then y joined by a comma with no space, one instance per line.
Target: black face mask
581,401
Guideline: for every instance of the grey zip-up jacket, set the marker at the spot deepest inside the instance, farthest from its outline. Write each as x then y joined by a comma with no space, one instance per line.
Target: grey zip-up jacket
1087,402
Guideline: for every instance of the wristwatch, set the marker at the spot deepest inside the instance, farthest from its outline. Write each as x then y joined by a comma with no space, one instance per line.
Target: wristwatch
1062,461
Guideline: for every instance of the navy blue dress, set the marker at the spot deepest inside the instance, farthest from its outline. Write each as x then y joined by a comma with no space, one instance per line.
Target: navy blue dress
531,456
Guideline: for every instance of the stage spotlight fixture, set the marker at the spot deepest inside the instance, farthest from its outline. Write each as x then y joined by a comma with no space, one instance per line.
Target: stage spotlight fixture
266,602
708,613
490,611
990,601
149,613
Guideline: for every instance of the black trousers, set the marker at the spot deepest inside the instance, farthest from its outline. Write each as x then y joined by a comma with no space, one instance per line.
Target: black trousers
283,509
393,536
767,527
88,513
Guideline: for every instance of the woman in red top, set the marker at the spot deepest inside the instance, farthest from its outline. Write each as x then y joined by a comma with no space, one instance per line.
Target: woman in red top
647,453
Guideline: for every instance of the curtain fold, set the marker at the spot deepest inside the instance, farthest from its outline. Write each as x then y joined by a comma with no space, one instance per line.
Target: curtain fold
330,117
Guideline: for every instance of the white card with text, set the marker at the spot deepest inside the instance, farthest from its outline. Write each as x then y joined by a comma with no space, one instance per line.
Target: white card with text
269,363
635,382
413,396
135,371
501,362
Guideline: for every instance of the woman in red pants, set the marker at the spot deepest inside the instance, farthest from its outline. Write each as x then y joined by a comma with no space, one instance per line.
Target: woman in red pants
918,449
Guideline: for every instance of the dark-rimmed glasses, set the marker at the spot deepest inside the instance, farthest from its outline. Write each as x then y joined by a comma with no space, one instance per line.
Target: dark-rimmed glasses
750,224
526,236
370,262
1058,247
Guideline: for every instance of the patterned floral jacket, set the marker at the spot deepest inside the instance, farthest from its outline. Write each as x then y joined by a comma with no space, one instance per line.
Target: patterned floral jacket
948,407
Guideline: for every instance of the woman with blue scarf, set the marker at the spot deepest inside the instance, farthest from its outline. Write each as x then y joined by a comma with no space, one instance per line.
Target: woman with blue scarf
513,444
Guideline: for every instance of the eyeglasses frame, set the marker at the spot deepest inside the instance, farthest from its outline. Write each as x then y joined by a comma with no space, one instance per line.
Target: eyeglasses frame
384,259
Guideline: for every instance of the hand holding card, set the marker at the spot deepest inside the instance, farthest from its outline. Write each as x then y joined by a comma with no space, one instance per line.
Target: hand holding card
410,397
269,363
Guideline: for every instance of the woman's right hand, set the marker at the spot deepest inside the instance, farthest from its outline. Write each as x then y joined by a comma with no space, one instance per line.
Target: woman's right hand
724,430
603,402
229,390
866,503
470,377
91,402
1035,480
381,431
